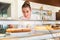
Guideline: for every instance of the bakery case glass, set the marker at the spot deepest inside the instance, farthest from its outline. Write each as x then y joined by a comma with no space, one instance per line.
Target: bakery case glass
29,29
42,27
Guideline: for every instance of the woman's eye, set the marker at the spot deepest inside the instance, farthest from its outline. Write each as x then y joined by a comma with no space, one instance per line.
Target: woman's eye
23,11
27,11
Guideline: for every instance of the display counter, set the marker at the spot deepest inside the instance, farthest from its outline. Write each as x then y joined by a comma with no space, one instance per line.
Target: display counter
36,33
30,36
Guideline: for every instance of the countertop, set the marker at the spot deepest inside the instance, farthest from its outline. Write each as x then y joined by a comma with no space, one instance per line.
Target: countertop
29,36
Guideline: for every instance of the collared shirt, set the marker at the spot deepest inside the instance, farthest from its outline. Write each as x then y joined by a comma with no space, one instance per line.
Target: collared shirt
33,17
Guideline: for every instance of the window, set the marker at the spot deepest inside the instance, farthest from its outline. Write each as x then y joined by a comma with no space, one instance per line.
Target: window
5,10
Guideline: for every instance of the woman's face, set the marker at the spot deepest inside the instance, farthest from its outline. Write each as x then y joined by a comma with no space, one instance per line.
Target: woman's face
26,11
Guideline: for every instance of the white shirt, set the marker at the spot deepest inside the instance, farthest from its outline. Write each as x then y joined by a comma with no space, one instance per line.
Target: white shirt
33,17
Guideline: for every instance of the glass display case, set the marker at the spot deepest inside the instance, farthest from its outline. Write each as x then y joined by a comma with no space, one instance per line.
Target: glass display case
41,27
28,30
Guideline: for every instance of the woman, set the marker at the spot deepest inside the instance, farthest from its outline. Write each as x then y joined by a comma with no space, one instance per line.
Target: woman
26,10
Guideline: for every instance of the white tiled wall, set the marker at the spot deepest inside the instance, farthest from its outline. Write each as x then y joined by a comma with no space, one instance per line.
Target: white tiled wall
5,1
14,9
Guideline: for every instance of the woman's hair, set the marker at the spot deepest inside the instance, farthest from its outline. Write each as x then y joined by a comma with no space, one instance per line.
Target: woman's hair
26,4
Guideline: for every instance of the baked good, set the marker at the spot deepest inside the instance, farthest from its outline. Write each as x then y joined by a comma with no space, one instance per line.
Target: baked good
16,30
